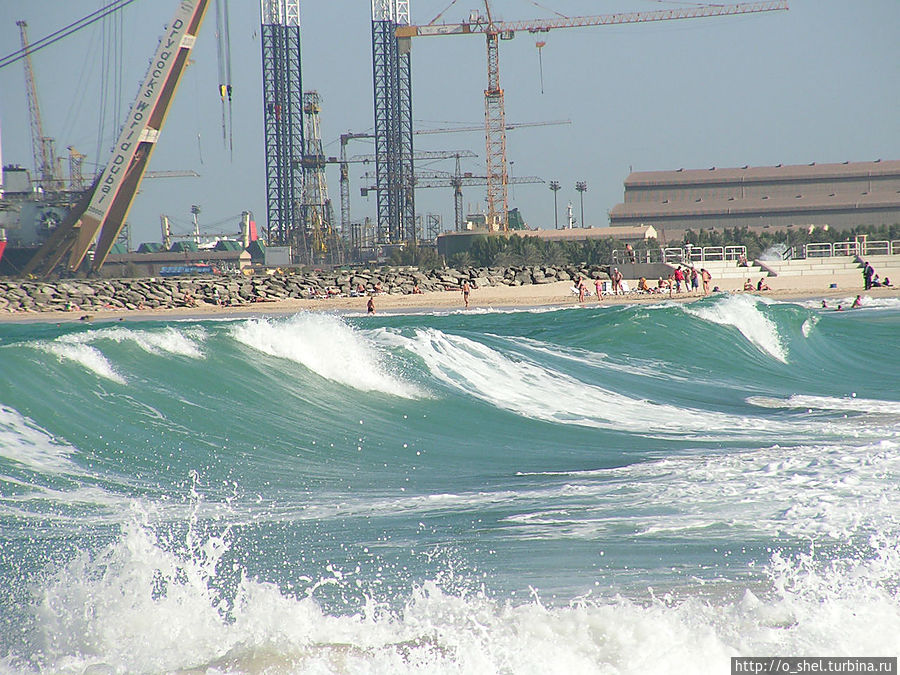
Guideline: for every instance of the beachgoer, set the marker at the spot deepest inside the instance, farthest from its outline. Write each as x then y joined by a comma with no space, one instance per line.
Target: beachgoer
868,271
706,276
579,284
762,285
679,277
598,287
629,250
876,282
695,279
465,291
748,285
642,285
840,308
856,303
886,282
824,304
671,283
370,306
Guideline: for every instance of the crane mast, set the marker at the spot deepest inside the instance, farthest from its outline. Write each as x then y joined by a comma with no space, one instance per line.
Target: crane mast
495,127
42,146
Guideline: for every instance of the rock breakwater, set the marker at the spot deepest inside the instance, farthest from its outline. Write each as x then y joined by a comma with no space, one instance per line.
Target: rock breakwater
171,292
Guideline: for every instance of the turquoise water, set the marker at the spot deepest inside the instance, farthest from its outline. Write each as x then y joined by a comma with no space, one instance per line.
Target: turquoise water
631,489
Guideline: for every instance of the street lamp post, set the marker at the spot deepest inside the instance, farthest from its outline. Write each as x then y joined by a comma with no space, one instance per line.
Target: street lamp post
581,186
554,185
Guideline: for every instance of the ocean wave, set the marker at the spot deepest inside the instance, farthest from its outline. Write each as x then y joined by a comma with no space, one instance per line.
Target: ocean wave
181,342
85,355
328,346
145,603
742,312
531,390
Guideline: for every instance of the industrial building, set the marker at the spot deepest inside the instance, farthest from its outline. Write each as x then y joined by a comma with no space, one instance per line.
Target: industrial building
838,195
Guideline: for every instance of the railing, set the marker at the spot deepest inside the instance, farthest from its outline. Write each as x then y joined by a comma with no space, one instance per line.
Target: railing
849,248
679,254
738,254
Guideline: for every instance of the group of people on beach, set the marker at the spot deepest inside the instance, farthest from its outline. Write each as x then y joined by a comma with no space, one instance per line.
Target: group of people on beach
872,280
688,277
760,285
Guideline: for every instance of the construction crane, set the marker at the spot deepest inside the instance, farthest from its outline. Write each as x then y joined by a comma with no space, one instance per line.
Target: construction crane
103,208
494,31
42,146
349,136
458,180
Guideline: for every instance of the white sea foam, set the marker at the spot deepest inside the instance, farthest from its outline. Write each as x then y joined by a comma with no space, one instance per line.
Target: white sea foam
86,356
328,346
742,312
807,492
169,340
851,403
137,606
23,442
532,390
867,301
808,325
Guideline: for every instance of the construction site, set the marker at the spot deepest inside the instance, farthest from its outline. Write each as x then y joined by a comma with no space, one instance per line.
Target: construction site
57,218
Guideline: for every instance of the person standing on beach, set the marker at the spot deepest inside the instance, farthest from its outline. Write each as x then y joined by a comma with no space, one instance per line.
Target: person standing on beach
465,291
582,288
695,280
370,305
598,286
868,271
679,277
706,276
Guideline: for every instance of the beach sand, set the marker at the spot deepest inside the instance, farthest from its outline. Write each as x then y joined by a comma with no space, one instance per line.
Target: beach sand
557,294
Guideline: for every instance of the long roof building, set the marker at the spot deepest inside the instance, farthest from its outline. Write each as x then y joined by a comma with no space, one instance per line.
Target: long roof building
838,195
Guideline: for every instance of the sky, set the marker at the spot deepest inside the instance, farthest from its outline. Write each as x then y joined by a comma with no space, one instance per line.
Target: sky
818,83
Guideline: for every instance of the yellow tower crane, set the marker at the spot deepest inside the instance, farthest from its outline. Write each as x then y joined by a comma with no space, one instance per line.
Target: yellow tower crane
494,113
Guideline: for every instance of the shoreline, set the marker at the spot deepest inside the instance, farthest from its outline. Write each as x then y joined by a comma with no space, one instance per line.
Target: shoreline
555,295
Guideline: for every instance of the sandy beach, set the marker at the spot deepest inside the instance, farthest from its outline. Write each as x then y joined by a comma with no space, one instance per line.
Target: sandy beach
557,294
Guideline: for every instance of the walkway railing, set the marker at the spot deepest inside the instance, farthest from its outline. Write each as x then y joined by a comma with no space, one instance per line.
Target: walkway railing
676,255
680,254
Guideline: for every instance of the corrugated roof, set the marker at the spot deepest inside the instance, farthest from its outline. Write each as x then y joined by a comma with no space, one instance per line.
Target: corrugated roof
745,174
615,232
756,205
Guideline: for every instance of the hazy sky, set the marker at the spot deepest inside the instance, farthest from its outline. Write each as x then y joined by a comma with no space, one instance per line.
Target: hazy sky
819,83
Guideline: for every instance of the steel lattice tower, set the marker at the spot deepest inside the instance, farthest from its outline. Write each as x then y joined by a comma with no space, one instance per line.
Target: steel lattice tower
283,122
392,75
317,215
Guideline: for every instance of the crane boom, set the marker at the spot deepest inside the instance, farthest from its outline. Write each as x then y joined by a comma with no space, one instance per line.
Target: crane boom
494,108
42,146
106,204
481,24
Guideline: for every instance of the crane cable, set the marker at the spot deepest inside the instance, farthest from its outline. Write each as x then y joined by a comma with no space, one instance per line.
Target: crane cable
223,51
63,32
